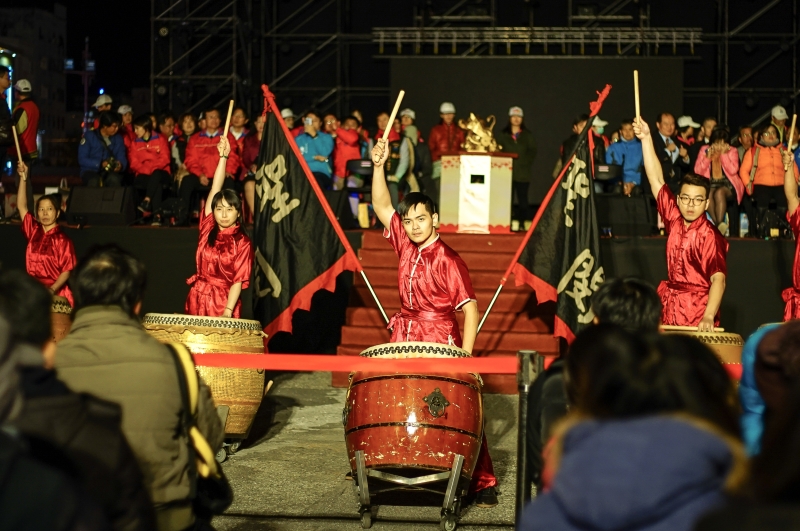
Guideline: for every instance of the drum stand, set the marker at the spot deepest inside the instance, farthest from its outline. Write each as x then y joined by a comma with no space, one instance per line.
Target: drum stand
451,507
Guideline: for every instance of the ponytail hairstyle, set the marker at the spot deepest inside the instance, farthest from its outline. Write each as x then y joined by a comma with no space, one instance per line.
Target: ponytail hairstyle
233,199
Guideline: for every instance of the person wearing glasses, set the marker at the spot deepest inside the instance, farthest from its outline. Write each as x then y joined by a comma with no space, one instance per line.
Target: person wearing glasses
696,250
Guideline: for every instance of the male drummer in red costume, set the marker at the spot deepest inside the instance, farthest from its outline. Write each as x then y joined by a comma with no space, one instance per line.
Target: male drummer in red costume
696,250
434,283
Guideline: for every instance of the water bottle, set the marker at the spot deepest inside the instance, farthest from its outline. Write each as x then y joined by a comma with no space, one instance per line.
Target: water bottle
744,225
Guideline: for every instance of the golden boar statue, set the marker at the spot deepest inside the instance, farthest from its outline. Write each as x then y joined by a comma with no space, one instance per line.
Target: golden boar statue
479,134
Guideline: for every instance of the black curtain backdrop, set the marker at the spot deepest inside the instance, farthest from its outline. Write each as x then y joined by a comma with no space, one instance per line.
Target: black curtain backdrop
551,92
757,272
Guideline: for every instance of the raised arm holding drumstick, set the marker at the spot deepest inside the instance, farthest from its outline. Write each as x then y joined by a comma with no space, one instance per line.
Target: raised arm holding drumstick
791,295
696,250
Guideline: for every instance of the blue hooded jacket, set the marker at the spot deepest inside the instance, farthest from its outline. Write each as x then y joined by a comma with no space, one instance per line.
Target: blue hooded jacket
752,419
628,154
643,474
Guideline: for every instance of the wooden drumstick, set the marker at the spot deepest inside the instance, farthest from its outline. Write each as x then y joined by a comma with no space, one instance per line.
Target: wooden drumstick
678,328
16,142
788,144
390,125
228,120
636,91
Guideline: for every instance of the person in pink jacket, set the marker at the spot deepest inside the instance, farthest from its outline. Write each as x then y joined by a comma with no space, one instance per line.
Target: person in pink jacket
719,162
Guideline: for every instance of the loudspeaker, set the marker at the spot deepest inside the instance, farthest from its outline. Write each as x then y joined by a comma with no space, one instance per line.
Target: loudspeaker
101,206
340,204
620,215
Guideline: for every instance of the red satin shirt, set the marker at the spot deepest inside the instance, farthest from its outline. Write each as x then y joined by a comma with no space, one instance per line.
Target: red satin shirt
48,254
694,254
434,282
218,268
792,295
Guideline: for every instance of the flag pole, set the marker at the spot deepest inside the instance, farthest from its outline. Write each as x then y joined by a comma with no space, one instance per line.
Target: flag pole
595,108
269,98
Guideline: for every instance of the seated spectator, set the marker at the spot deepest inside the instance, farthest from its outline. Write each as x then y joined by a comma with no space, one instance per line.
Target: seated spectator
365,141
166,127
383,122
703,139
599,128
400,164
149,158
762,172
628,302
201,121
719,162
779,117
290,119
188,127
673,155
201,162
795,147
628,154
686,130
101,153
238,128
777,367
752,419
250,149
126,129
108,354
101,105
407,119
651,441
37,491
745,141
347,147
568,146
87,430
316,147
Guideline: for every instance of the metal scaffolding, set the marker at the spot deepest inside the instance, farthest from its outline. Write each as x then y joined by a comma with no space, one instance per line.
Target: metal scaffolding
201,53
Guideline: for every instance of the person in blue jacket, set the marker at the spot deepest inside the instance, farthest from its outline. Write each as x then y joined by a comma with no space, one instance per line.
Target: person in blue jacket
101,153
752,419
628,154
316,147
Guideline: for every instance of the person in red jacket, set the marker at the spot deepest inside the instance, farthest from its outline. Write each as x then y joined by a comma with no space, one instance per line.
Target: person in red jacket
148,157
347,148
446,137
26,121
201,162
126,129
250,149
383,122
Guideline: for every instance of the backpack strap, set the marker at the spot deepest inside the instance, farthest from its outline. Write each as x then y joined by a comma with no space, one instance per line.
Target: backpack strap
753,170
189,384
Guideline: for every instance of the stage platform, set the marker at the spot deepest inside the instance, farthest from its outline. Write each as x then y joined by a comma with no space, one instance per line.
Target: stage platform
757,272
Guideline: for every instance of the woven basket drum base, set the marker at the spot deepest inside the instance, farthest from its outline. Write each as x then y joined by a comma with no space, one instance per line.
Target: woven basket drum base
239,389
60,321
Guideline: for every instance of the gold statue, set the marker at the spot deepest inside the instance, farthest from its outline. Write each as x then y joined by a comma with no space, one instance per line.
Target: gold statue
479,135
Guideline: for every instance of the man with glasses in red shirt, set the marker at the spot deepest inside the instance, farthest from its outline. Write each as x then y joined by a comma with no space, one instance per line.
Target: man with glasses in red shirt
696,250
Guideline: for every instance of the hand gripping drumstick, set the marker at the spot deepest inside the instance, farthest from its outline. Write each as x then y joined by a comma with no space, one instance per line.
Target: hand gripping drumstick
390,125
636,91
788,144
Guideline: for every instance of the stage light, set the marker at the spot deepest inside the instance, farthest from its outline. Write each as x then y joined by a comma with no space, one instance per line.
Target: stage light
163,31
161,90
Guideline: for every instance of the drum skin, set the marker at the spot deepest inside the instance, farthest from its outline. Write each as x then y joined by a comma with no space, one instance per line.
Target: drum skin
60,318
386,415
239,389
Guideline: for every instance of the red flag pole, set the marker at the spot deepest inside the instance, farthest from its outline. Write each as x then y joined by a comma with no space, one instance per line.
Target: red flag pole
595,108
354,262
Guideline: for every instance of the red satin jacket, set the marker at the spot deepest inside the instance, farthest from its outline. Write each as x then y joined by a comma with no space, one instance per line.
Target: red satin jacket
48,254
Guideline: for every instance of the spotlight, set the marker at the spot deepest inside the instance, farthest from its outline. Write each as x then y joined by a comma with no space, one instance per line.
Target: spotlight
163,31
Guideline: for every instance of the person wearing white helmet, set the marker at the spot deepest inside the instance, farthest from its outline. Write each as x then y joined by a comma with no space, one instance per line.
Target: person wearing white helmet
445,137
516,138
779,117
26,120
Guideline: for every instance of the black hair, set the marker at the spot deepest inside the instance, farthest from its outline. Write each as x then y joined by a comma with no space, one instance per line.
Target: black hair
144,122
614,374
693,179
4,70
580,118
507,128
316,113
626,121
415,198
720,132
707,118
164,116
767,127
628,302
351,117
685,128
55,199
244,112
25,303
230,197
662,115
109,118
212,109
108,276
184,116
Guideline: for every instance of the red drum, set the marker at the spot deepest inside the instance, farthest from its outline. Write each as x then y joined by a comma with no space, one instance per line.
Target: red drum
404,422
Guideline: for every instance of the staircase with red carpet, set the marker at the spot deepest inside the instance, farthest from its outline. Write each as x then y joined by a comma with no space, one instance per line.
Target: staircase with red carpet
516,322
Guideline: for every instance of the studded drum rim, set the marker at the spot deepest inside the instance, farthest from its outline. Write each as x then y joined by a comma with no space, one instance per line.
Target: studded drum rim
162,319
411,347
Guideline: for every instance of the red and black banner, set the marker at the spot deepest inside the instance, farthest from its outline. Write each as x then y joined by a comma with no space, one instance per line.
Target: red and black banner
560,257
300,248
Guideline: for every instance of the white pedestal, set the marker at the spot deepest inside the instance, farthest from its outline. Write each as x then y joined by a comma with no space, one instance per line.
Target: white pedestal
476,193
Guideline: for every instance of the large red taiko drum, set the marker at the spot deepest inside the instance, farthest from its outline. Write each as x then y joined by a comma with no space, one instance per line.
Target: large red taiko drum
410,424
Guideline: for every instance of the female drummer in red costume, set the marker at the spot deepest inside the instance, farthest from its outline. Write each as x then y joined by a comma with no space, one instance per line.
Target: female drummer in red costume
434,283
50,255
792,295
224,253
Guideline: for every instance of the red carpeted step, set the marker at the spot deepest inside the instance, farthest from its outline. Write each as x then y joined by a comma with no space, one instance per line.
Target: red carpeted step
374,239
364,316
509,301
476,261
387,277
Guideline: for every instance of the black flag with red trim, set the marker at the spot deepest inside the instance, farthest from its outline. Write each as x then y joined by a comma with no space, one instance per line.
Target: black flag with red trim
560,259
300,247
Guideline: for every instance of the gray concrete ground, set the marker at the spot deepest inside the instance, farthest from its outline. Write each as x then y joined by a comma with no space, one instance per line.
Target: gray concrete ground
290,474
